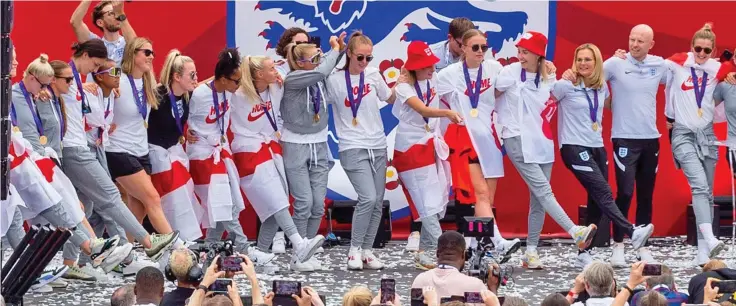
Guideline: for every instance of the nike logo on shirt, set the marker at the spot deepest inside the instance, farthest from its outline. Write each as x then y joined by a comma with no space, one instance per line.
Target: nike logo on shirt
258,111
212,116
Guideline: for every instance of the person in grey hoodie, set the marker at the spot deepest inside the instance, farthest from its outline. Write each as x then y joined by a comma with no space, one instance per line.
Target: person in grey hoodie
307,159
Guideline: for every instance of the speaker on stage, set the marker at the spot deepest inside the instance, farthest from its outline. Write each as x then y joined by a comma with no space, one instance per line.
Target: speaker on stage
6,45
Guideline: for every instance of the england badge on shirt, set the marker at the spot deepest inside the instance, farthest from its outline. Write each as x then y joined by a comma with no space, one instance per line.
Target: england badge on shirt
584,156
622,152
652,71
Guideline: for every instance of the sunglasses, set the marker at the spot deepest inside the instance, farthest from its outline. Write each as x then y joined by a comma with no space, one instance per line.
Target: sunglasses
367,58
147,52
483,48
193,75
237,82
315,59
68,80
699,48
39,82
113,72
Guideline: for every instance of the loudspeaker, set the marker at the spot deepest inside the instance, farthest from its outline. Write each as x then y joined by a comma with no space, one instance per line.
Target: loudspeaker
342,213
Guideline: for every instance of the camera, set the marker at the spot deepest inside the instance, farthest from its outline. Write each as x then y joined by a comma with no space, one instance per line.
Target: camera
482,257
222,248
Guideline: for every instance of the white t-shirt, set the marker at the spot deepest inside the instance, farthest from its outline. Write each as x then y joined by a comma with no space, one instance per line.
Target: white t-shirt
101,116
130,134
681,104
368,133
411,127
115,49
203,119
75,122
251,117
576,125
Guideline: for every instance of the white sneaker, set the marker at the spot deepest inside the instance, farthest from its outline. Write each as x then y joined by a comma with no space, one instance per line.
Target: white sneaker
41,289
133,267
97,273
617,255
641,235
116,257
75,273
370,261
319,250
279,244
316,264
508,247
646,255
355,260
715,247
259,257
101,248
296,265
583,235
531,261
702,257
49,275
306,249
58,283
412,244
583,260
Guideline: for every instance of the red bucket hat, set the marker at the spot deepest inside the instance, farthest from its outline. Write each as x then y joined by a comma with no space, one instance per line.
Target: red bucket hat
535,42
419,56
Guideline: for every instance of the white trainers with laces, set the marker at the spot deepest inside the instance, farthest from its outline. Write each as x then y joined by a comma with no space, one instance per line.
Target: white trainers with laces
412,244
279,243
617,255
355,259
296,265
370,261
259,257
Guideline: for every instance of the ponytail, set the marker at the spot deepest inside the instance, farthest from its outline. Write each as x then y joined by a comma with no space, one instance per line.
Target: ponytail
295,52
356,39
174,63
706,32
40,67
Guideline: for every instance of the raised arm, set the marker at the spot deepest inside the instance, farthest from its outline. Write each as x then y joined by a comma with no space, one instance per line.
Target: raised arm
80,29
125,27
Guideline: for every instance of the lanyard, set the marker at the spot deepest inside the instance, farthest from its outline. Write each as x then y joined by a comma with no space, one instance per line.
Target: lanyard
175,108
699,91
13,116
445,267
316,100
264,106
523,77
474,95
592,106
215,102
34,110
140,103
62,125
355,102
422,97
80,89
107,107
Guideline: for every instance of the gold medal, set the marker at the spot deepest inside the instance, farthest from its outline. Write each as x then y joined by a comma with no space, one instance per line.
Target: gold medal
278,135
355,121
145,124
181,139
316,118
426,127
222,139
474,112
98,142
43,140
16,129
700,112
595,126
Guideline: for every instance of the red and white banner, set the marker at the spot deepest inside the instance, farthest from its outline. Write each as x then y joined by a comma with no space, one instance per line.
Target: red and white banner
28,180
262,176
215,180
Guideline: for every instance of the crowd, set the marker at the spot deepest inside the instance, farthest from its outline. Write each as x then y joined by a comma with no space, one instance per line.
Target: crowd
99,142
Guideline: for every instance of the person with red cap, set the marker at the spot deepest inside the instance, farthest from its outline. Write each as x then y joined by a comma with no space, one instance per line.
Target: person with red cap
476,154
420,152
525,111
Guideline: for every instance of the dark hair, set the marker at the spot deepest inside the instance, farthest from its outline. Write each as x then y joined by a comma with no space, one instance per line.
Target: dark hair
555,299
93,47
59,66
97,12
228,61
149,281
109,63
459,26
286,38
450,244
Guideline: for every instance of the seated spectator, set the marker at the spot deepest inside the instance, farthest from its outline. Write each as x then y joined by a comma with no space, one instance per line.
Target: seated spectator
555,299
358,296
665,285
149,286
714,264
123,296
697,283
514,301
653,298
447,278
599,283
180,262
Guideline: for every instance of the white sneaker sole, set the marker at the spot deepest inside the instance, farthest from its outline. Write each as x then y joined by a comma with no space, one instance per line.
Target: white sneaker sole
307,253
113,261
643,241
717,249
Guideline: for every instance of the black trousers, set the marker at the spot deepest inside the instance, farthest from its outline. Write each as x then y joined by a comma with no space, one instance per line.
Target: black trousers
590,167
636,165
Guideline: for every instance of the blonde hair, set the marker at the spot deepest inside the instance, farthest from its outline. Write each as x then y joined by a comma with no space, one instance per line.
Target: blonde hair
714,264
653,298
39,67
149,78
357,38
596,79
174,63
248,69
467,36
180,262
599,278
706,32
296,52
358,296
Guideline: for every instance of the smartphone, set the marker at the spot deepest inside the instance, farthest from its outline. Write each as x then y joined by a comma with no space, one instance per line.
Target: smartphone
230,264
287,288
316,40
725,286
652,270
388,290
473,297
458,298
417,294
501,299
445,300
726,56
220,285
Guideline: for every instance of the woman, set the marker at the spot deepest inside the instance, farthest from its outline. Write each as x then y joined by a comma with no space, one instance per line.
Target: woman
255,125
581,141
81,165
48,193
307,159
420,153
127,154
292,35
355,92
212,169
477,161
166,136
691,81
525,111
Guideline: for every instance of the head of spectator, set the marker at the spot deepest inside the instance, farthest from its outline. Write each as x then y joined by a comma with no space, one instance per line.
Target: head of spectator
514,301
714,264
599,279
653,298
291,35
149,286
555,299
458,27
181,262
218,300
123,296
358,296
451,250
105,18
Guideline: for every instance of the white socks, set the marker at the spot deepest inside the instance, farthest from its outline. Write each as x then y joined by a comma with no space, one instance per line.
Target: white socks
296,239
497,238
707,230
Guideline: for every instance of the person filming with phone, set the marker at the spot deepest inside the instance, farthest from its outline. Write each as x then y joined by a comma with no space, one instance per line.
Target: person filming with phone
218,280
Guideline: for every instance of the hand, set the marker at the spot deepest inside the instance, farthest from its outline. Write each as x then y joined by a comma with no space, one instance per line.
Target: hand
731,78
489,298
494,280
116,92
710,293
669,125
316,301
579,286
268,299
304,300
403,77
454,116
279,80
635,276
117,7
569,75
550,66
341,40
430,296
191,136
112,128
620,54
248,268
44,95
233,292
91,88
212,274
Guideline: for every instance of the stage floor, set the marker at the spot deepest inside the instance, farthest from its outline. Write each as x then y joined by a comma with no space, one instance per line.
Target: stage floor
531,285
